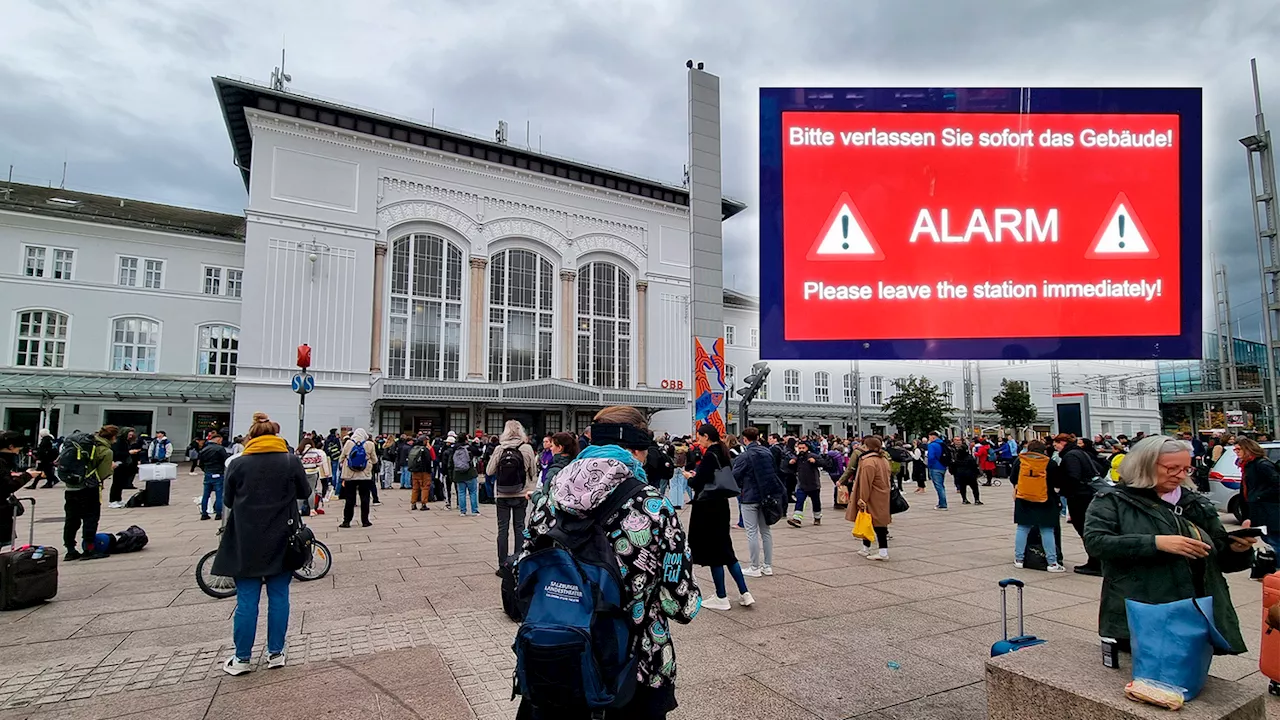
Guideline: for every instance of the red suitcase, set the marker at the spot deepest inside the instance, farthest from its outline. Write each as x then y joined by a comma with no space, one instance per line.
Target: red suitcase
1269,657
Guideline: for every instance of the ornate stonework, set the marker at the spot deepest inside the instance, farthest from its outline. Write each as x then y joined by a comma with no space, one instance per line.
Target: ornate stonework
408,210
521,227
609,244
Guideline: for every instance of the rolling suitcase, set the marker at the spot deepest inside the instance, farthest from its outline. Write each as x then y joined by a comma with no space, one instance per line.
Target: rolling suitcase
1269,656
1022,640
28,574
157,493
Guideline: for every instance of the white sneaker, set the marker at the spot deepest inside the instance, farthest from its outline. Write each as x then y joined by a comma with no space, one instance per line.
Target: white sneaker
752,572
746,600
236,666
1056,569
717,603
767,570
865,551
882,555
276,660
1017,564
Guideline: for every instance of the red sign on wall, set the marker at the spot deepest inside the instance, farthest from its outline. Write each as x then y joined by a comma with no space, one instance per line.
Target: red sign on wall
971,225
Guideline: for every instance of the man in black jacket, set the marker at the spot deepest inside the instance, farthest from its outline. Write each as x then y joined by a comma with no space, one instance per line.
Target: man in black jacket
1073,481
757,476
213,458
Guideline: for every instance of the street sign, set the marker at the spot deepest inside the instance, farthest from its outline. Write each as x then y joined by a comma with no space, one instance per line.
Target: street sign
1235,418
923,223
303,383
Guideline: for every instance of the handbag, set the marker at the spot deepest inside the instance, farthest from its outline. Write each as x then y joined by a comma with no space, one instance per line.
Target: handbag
297,549
897,503
772,509
723,485
842,495
1173,642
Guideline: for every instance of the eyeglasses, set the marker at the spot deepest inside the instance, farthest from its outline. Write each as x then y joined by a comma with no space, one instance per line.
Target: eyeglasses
1174,470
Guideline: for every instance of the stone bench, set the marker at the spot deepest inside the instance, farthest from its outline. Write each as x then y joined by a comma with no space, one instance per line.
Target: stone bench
1066,679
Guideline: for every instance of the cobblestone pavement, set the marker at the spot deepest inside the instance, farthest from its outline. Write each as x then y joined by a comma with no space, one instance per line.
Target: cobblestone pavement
818,643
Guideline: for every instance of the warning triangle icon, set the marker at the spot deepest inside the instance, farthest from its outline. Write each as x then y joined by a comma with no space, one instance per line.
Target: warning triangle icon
1121,236
845,236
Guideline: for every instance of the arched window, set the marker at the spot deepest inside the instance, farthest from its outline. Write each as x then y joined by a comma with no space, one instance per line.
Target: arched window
604,326
821,387
1141,391
791,385
521,288
42,339
877,390
218,351
425,342
135,345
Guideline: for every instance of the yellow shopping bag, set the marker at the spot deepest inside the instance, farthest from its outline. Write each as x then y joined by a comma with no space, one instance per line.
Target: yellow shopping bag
862,527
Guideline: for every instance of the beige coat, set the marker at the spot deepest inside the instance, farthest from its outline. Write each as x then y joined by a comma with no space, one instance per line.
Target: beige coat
871,486
369,448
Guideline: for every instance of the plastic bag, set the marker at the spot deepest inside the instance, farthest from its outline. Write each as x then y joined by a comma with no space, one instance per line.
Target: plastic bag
1173,642
862,527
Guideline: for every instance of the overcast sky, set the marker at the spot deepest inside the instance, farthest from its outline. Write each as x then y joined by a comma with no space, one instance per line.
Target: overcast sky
120,89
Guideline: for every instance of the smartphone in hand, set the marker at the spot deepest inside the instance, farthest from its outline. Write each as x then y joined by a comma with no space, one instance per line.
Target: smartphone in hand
1255,532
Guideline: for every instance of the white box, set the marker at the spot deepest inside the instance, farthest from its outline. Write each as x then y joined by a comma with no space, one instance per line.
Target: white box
158,471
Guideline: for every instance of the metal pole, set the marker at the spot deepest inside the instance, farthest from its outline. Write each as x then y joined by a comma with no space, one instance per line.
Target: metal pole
1268,236
857,398
1217,323
1230,336
302,416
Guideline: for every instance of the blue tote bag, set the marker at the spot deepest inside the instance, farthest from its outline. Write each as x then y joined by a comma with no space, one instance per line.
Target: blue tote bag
1173,642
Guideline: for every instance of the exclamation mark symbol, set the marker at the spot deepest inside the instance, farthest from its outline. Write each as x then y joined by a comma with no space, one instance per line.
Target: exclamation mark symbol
844,229
1121,219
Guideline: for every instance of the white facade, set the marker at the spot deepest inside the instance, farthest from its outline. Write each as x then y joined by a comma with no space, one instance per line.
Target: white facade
797,401
108,317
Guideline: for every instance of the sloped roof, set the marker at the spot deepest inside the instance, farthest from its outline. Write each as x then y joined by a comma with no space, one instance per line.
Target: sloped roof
112,210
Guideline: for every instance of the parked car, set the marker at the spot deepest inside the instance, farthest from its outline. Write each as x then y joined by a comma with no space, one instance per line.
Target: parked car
1224,479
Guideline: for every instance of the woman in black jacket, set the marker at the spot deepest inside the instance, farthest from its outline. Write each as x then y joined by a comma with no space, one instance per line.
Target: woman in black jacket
262,487
709,540
964,468
11,481
125,457
1261,489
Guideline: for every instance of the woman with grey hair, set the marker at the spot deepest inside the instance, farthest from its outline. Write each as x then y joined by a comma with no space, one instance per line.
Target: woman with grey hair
1160,541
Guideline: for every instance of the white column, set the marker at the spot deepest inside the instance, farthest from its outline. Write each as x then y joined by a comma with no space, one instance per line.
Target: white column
479,320
375,338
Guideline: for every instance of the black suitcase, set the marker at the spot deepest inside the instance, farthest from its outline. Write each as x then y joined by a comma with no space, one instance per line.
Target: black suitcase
510,601
157,493
29,574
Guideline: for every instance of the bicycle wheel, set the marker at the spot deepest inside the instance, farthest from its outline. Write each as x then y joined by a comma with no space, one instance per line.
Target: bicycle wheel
217,586
318,565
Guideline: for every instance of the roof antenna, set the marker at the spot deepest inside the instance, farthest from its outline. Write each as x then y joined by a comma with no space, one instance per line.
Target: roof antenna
278,76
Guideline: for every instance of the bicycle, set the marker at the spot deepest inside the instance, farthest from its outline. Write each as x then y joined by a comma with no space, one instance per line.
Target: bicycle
219,586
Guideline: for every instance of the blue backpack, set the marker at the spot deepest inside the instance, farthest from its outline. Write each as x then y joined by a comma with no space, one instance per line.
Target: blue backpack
576,649
358,459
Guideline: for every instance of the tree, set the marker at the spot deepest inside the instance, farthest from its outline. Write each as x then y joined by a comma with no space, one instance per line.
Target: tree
917,406
1014,405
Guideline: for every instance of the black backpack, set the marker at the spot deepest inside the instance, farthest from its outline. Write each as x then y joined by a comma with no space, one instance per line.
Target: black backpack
947,455
511,472
131,540
76,467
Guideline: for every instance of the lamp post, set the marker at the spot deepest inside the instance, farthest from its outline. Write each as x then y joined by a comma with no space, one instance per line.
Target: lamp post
1260,144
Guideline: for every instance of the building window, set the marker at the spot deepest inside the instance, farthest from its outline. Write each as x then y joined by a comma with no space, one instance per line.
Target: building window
128,271
63,263
235,281
42,339
458,422
763,394
425,338
1102,392
389,421
949,393
877,390
755,337
730,376
821,387
551,422
1141,391
730,335
1016,362
153,274
493,422
219,350
1026,386
213,281
1122,393
848,388
791,385
135,345
521,290
604,326
35,261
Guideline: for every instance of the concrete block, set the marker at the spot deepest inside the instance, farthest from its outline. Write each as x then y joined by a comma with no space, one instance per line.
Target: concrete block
1066,680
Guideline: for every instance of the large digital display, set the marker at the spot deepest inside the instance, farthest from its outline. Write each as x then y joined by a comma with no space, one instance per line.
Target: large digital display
1067,226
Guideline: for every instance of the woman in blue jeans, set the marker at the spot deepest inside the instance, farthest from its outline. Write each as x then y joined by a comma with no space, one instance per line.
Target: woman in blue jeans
263,487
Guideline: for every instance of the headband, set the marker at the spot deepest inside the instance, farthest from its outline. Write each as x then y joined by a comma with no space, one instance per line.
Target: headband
627,436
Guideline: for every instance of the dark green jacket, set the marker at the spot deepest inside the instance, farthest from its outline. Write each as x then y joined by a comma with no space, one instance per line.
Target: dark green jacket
1121,528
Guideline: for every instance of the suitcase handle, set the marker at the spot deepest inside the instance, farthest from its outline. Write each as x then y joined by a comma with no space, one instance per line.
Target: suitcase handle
31,539
1004,606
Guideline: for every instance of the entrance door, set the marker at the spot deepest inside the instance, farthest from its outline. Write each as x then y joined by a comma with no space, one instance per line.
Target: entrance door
139,420
25,421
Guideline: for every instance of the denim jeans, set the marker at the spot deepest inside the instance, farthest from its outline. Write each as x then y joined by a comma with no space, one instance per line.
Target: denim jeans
815,499
939,479
388,475
244,626
717,576
488,487
468,488
758,534
1046,538
406,478
337,477
212,486
679,490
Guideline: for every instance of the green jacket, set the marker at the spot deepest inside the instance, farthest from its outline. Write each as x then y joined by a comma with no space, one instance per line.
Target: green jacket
1120,530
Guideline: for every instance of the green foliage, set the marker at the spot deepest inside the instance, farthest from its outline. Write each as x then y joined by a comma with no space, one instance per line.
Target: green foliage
918,406
1014,405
